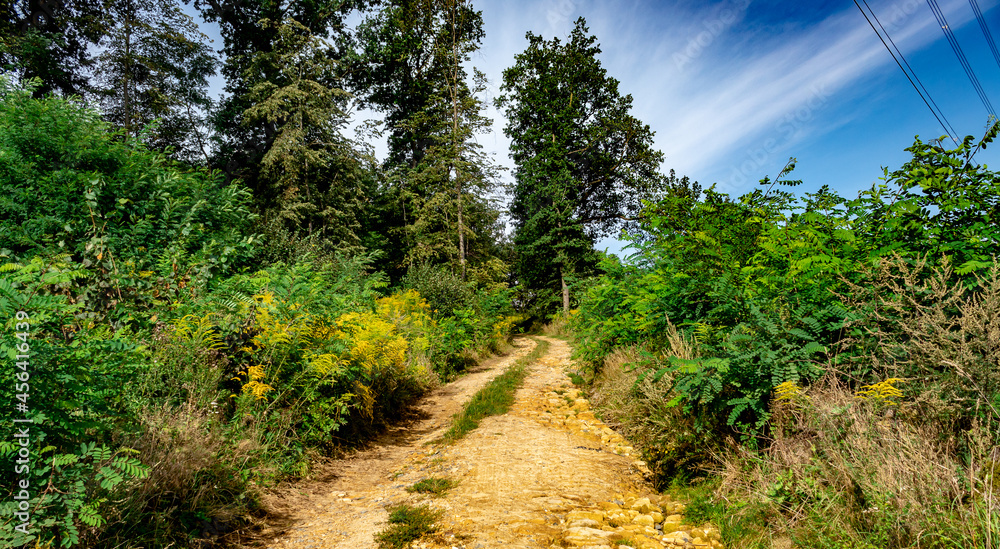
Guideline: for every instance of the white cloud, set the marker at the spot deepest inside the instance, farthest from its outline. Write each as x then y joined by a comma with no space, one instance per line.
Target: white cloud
720,95
717,107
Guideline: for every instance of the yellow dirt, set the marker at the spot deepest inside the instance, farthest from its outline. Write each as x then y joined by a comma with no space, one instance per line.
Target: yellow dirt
545,474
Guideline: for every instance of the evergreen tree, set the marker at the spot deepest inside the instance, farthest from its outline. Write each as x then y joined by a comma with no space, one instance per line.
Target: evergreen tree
583,163
240,144
305,163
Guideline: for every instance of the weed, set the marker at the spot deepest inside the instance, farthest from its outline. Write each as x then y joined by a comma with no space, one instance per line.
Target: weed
433,485
407,524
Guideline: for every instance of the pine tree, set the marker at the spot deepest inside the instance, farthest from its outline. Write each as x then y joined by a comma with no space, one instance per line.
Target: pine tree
240,144
304,164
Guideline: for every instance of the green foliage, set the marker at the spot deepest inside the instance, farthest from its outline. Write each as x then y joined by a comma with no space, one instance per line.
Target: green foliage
443,289
309,171
468,318
140,336
583,162
60,51
407,524
153,77
760,281
144,230
69,492
804,311
411,65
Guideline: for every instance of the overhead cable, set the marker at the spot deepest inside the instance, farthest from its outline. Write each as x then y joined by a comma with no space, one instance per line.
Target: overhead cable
961,55
986,30
907,71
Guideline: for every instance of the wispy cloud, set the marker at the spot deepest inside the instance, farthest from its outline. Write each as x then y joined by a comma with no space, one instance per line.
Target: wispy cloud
726,99
724,111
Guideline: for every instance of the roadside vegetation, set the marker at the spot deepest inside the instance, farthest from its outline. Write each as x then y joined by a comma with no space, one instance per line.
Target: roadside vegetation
814,369
200,298
182,357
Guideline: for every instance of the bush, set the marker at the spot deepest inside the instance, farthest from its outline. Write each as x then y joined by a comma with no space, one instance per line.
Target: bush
890,299
444,290
145,230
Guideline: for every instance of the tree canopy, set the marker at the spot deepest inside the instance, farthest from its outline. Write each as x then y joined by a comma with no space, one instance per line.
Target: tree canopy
583,162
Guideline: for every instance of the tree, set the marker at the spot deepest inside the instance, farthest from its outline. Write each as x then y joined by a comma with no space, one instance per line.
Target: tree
583,163
156,65
301,164
240,145
411,66
52,41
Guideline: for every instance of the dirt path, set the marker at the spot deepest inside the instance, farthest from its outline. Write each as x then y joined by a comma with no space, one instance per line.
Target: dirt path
547,473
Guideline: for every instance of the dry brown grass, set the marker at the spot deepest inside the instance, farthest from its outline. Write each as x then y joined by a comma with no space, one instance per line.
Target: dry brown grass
917,473
934,333
875,477
640,410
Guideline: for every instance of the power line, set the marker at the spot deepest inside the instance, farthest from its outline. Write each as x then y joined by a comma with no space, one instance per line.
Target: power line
947,125
986,30
961,55
938,114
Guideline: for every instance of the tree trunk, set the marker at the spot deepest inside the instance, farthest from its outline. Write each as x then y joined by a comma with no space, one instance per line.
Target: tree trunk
128,72
565,291
456,146
461,229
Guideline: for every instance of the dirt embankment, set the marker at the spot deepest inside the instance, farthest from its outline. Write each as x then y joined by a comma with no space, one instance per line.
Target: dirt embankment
546,474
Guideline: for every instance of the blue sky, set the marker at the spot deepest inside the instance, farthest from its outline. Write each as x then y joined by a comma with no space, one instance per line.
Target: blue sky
734,88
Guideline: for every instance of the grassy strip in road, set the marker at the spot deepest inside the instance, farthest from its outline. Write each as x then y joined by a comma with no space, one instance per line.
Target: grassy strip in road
496,397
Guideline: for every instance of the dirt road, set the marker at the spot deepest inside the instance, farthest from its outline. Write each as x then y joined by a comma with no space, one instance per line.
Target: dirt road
546,474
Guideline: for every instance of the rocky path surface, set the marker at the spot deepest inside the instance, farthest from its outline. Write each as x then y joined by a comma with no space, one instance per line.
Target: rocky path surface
546,474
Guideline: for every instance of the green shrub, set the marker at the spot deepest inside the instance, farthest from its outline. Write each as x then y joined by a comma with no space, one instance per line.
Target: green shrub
849,345
406,525
146,230
444,290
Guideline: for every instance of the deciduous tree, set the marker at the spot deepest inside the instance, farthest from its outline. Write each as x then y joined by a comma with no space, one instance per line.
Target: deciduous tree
156,65
583,162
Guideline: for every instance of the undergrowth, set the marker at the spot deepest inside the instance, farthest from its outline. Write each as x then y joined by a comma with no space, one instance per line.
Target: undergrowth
814,371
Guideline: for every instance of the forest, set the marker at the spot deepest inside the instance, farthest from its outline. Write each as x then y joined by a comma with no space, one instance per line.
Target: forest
202,297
